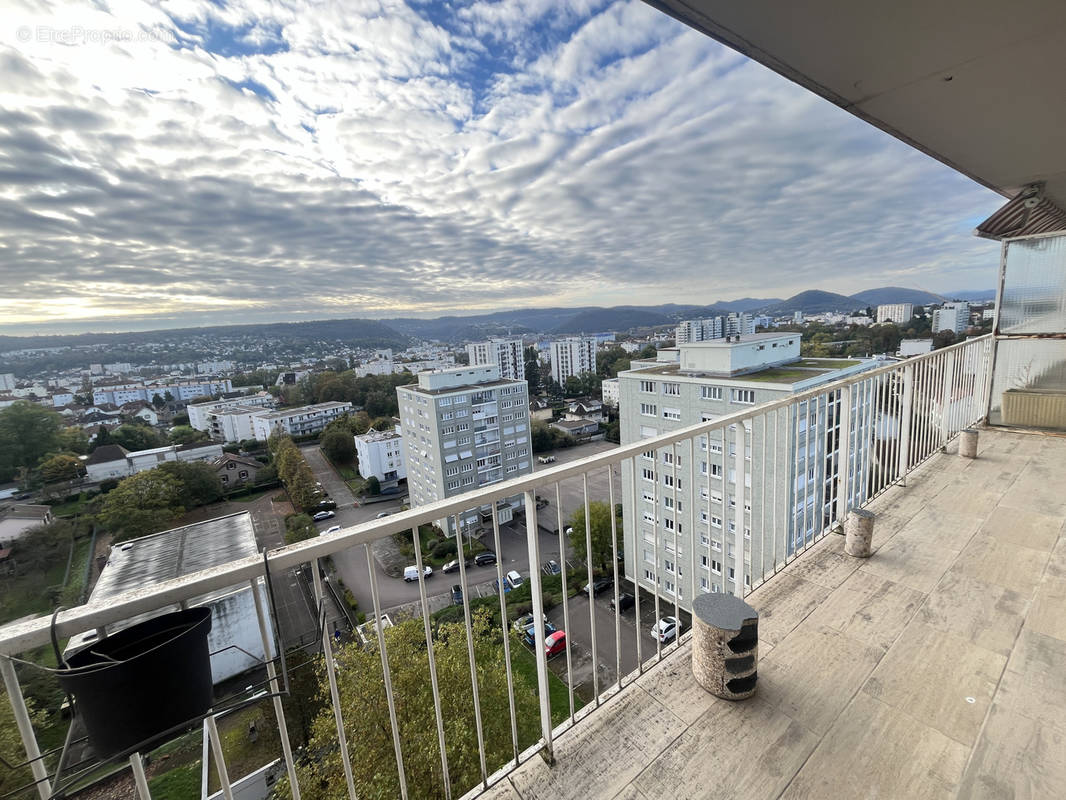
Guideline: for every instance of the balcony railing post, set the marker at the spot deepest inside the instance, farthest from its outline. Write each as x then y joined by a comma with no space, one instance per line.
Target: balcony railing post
947,387
843,452
533,545
905,414
739,519
22,722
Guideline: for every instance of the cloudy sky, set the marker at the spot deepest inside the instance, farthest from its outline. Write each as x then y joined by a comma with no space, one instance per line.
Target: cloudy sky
193,162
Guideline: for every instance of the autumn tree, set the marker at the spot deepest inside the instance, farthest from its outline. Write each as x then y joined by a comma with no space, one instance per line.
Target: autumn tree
144,503
600,518
136,437
366,715
61,467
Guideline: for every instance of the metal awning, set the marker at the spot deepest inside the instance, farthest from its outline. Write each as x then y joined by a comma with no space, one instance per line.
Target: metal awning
1028,213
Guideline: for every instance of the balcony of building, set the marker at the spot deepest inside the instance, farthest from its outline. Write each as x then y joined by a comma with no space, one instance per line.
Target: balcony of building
933,669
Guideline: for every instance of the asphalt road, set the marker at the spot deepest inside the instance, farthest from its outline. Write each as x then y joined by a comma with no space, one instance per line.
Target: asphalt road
351,564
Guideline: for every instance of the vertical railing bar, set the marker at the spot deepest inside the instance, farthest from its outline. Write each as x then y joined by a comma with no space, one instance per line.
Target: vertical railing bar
331,676
416,538
774,523
387,673
807,465
272,678
676,515
25,728
762,498
638,541
906,407
533,549
656,577
566,600
220,757
725,508
692,528
843,438
140,780
738,535
591,593
614,563
796,458
470,643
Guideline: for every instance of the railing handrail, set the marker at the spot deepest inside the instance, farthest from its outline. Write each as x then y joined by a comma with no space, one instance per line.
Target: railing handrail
21,636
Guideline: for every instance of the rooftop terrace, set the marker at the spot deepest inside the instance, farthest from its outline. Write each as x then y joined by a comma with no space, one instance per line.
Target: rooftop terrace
935,669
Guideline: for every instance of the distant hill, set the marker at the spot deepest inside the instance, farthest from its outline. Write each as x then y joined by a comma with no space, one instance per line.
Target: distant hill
498,323
981,295
813,301
747,303
895,294
621,318
357,332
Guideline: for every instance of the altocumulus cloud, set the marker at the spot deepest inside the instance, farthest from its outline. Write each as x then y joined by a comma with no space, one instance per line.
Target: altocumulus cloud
210,161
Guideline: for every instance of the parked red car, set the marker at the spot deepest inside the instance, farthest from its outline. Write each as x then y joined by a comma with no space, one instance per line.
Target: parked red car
554,643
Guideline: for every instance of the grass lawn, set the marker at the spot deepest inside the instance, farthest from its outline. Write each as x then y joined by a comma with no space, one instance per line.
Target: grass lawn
71,508
524,663
243,755
180,783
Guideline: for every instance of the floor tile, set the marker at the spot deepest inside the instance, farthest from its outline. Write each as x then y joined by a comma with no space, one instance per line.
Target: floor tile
814,672
869,609
783,603
1048,612
1025,528
876,751
1016,757
602,755
1034,683
672,684
746,749
941,679
910,561
1002,564
988,615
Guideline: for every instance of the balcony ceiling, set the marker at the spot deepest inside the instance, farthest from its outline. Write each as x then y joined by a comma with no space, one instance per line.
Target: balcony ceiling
977,84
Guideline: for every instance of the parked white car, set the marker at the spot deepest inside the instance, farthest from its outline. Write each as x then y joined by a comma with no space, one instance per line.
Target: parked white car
411,573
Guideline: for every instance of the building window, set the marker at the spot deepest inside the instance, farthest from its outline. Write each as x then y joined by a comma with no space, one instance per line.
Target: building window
672,389
711,392
648,474
672,413
648,409
745,396
647,386
716,567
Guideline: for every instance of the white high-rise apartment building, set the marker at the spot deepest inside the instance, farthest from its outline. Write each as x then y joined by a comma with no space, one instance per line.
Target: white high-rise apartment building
900,313
507,354
952,317
703,381
462,429
572,356
702,330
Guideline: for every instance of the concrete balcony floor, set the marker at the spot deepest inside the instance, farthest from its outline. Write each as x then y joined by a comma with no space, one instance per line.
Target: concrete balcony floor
935,669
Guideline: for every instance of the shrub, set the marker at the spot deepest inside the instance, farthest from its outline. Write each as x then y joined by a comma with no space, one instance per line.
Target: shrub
431,544
444,549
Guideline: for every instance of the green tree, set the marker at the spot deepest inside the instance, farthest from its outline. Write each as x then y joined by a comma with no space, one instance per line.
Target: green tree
600,518
186,434
338,446
366,716
541,436
28,432
74,440
648,353
158,401
61,467
299,527
200,483
532,369
373,485
144,503
136,437
943,339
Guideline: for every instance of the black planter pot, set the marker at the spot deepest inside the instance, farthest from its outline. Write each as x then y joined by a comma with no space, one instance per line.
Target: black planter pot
134,686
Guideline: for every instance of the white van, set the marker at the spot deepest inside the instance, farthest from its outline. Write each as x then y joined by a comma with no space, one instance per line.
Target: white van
411,573
545,459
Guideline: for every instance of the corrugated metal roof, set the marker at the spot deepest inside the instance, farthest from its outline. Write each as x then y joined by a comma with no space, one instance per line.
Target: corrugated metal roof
1027,214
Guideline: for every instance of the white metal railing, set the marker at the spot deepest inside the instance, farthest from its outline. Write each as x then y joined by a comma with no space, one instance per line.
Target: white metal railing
717,506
